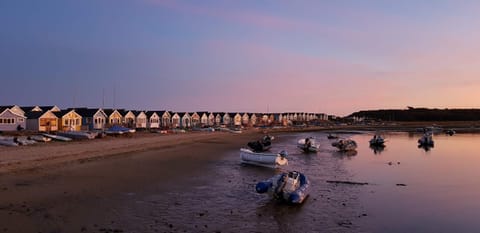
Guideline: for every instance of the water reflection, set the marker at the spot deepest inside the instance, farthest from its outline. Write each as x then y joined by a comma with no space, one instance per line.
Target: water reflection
377,149
425,147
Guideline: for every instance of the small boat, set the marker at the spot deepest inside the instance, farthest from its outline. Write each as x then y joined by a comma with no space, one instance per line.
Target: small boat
272,160
40,138
24,141
307,145
377,141
330,136
345,145
8,142
450,132
118,130
426,140
290,187
77,135
261,145
57,137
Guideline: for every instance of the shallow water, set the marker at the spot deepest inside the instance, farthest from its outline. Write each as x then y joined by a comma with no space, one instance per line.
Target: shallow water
441,192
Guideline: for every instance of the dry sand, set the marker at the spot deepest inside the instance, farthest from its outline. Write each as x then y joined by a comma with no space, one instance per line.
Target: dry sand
43,155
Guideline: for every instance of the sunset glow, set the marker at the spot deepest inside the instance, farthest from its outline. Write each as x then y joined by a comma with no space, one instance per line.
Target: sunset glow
335,57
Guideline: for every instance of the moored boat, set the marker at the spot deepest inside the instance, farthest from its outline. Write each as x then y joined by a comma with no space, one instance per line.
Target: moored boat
426,140
377,141
118,130
261,145
272,160
40,138
8,142
345,145
57,137
77,134
291,187
307,145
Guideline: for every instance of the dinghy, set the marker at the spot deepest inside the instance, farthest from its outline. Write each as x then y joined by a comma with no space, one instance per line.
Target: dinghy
307,145
426,140
7,142
57,137
77,135
291,187
261,145
345,145
377,141
40,138
263,159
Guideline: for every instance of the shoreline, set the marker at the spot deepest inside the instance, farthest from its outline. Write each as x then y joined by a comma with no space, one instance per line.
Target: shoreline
51,154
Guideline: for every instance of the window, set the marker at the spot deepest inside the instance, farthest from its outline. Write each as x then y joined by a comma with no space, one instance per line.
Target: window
66,122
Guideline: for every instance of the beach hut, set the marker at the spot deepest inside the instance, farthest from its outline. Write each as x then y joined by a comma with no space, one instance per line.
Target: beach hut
114,116
185,120
69,120
41,121
237,119
218,118
253,119
176,119
226,120
211,119
140,119
130,119
203,118
92,118
153,121
245,119
12,120
165,119
195,119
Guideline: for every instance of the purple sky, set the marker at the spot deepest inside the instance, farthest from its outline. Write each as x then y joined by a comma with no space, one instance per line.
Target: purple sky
335,57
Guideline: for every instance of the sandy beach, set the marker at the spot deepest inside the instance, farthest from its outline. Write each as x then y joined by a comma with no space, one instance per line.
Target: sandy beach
59,187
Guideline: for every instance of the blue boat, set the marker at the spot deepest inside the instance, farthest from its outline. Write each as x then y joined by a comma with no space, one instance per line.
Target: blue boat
290,187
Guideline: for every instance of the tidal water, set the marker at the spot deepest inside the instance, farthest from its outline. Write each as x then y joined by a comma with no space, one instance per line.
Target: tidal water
410,190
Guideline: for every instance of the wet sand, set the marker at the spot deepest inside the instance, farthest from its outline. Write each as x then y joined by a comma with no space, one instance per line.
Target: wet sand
60,187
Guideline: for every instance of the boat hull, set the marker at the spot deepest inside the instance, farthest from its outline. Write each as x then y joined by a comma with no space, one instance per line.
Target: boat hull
273,186
262,159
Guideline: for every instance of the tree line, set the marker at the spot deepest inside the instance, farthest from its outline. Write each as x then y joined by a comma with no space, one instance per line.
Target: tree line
420,114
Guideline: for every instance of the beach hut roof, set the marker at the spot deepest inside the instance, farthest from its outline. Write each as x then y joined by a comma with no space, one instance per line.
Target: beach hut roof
87,112
34,114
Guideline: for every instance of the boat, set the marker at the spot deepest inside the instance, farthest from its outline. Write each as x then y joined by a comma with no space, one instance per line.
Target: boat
450,132
331,136
261,145
8,142
377,141
272,160
77,134
345,144
40,138
307,145
426,140
23,141
290,187
118,130
57,137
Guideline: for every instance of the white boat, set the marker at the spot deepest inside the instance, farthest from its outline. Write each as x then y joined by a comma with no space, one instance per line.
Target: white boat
77,134
57,137
40,138
308,145
272,160
25,141
345,145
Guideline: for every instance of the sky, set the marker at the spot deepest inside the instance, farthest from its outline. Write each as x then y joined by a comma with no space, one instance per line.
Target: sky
335,57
